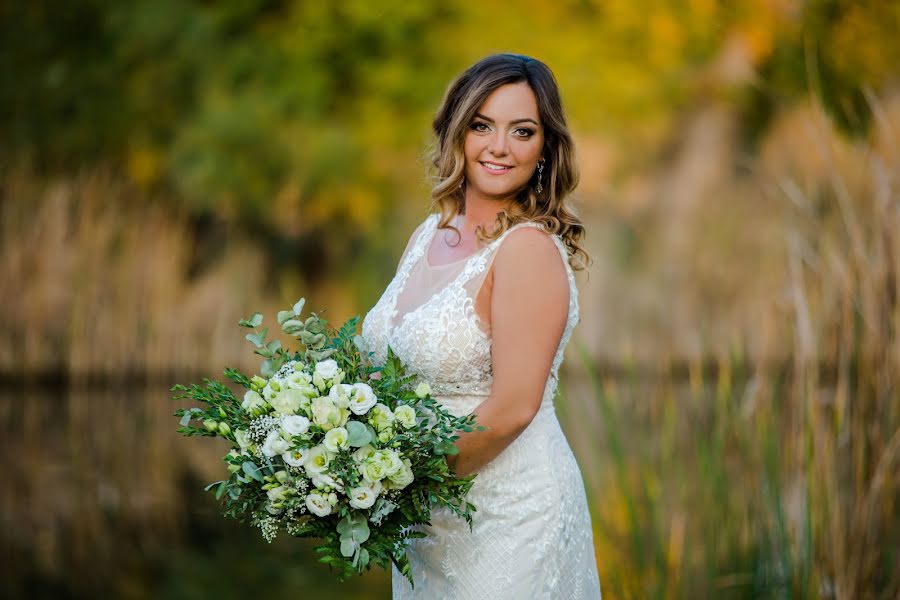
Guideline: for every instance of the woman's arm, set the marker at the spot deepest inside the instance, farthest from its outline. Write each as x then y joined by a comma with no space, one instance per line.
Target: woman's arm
529,306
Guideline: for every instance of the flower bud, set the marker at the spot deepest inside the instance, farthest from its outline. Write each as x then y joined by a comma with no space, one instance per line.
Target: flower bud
258,382
224,428
210,425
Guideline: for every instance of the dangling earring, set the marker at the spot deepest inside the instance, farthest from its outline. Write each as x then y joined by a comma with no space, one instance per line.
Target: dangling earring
540,187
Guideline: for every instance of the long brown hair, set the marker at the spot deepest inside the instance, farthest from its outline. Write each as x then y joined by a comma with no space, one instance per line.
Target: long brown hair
551,208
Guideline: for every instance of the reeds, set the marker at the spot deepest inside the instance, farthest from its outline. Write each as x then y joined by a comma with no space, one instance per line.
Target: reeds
770,477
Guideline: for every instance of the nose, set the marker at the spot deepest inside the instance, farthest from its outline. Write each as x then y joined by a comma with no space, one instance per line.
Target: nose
499,145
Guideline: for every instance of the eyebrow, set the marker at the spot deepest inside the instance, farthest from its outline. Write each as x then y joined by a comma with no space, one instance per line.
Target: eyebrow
513,122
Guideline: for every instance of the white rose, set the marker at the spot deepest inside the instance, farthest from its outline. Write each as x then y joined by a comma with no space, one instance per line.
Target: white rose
317,460
365,496
391,461
252,401
363,399
318,504
423,389
242,438
298,380
363,453
296,457
336,439
326,369
287,402
295,424
373,470
324,413
340,394
278,494
403,477
275,444
405,415
323,480
381,417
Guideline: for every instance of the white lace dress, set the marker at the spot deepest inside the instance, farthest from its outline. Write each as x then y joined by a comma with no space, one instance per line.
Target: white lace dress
532,534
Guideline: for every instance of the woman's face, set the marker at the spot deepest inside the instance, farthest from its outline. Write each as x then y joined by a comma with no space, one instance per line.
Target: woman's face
504,142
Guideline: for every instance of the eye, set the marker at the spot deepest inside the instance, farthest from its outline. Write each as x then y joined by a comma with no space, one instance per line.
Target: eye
524,132
479,127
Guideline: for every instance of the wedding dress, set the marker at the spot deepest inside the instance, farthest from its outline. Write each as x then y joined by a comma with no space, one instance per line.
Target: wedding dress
532,536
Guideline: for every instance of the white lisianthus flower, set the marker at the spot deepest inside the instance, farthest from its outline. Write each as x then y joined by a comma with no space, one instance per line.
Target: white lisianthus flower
268,393
326,369
275,444
323,480
365,495
296,457
340,394
381,417
405,415
423,389
364,453
295,424
242,438
363,398
317,460
385,435
287,402
318,504
336,439
403,477
253,402
324,413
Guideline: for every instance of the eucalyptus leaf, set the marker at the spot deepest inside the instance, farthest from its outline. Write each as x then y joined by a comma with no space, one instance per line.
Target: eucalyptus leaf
220,490
252,470
186,418
348,547
298,306
284,316
357,434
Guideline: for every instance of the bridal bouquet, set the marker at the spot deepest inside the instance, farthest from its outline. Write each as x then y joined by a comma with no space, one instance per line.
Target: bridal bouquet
321,448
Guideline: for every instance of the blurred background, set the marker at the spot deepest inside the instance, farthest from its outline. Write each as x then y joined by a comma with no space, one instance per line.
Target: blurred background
732,392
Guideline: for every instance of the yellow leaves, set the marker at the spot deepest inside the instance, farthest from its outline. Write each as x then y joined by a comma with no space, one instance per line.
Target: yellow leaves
143,164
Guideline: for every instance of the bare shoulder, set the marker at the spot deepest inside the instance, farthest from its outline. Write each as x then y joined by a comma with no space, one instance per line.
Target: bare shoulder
531,252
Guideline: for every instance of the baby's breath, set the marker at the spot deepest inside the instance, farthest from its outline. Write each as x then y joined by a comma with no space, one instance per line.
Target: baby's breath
260,427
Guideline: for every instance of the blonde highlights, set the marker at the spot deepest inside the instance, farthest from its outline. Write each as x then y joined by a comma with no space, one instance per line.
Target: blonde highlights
552,207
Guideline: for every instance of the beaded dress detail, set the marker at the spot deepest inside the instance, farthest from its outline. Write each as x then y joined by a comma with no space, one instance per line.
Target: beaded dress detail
532,535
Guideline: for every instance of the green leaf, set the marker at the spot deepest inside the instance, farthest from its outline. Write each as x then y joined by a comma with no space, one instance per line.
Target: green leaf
274,345
284,316
252,470
348,547
254,320
357,434
253,339
220,490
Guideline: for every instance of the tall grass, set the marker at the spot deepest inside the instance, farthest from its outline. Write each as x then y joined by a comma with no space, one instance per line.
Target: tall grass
770,478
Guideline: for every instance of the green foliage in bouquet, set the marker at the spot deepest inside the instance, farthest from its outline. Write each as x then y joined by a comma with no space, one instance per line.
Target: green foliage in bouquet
329,446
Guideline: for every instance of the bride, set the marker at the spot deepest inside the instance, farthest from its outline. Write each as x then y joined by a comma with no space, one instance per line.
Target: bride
481,307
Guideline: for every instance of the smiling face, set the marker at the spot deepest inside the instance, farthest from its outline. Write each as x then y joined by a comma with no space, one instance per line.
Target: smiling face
503,143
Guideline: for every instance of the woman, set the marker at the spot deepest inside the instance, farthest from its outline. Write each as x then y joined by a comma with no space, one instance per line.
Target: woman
482,306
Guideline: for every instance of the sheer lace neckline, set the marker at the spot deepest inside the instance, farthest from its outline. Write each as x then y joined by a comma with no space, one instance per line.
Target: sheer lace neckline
459,261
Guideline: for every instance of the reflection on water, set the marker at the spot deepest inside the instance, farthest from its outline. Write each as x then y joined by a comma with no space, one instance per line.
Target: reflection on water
103,499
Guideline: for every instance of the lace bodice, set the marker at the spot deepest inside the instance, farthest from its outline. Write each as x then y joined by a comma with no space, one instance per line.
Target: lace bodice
442,339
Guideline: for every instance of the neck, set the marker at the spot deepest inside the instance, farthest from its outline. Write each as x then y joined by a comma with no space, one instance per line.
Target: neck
480,211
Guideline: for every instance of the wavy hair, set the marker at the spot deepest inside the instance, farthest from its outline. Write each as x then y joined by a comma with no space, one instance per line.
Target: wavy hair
552,207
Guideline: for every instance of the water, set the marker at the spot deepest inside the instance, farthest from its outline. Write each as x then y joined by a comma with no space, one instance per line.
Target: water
103,499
